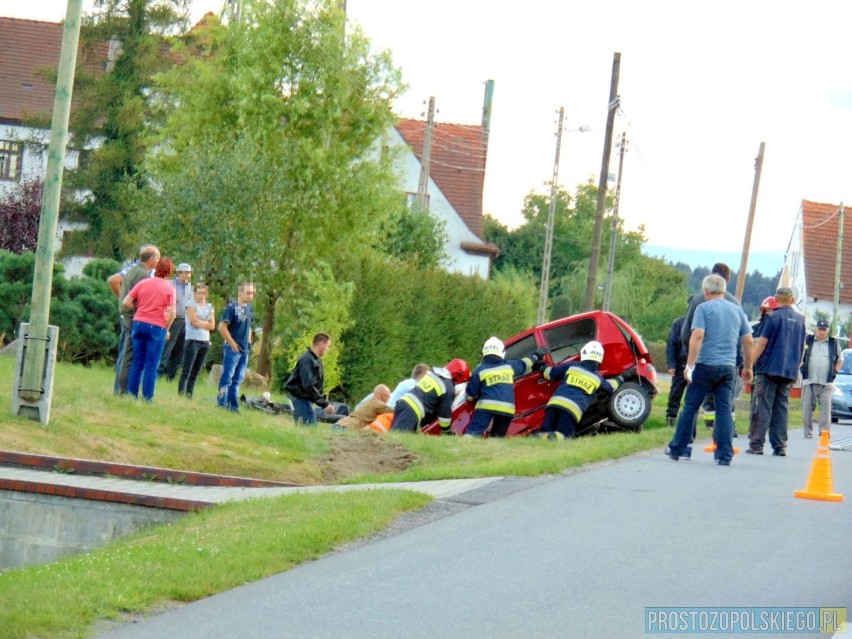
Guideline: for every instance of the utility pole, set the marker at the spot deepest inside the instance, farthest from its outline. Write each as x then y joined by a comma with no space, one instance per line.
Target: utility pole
37,342
612,106
838,283
548,234
741,276
613,232
425,158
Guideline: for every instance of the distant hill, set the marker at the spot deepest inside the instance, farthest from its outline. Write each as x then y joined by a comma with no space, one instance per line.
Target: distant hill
769,263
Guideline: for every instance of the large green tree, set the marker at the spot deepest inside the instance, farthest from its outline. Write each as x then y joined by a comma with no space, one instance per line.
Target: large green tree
270,162
110,124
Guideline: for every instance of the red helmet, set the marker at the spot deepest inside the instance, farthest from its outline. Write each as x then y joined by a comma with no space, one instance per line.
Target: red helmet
769,304
459,371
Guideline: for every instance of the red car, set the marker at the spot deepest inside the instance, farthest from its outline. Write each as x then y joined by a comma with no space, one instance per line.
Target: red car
624,354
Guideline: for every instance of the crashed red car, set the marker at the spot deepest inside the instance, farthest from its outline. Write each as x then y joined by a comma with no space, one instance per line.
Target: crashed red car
560,340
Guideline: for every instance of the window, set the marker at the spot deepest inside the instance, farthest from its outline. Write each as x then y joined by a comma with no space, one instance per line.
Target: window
11,155
566,340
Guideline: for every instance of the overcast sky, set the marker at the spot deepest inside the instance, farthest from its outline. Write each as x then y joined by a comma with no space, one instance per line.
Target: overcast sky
701,86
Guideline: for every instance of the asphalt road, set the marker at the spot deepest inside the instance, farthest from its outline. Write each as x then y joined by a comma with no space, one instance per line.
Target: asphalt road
576,555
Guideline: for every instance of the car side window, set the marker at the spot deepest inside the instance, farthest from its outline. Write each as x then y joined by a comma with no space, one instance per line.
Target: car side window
522,348
566,340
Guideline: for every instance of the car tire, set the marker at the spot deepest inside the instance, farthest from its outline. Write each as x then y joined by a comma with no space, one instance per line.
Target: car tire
630,406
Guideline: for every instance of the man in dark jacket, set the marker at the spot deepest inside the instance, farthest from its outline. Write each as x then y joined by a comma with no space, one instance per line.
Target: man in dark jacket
492,387
675,361
778,356
820,364
305,383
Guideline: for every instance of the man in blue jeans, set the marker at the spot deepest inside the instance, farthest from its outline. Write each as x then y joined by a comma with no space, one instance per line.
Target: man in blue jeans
235,329
306,381
717,327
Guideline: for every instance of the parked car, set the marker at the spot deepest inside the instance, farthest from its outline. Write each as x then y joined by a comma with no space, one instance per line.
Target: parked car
624,352
841,398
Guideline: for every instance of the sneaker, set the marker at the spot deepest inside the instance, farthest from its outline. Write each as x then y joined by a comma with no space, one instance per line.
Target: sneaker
723,463
668,453
780,452
753,451
809,435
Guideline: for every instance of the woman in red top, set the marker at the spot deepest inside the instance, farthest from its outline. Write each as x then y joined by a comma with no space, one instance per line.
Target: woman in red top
154,301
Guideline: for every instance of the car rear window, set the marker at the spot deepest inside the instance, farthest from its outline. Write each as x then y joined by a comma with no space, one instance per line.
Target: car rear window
566,340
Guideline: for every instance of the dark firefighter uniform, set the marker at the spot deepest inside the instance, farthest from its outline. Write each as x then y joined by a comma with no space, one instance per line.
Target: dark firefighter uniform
492,387
431,398
580,385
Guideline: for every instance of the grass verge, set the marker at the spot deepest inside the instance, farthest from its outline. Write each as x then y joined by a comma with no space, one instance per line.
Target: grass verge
203,553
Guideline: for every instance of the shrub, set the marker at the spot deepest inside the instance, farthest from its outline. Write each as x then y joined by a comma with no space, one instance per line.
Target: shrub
84,309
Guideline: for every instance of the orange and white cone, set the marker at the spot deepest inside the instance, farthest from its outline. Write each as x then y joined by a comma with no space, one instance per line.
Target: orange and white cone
820,481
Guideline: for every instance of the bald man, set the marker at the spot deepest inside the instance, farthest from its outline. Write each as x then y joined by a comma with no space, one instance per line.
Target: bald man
367,412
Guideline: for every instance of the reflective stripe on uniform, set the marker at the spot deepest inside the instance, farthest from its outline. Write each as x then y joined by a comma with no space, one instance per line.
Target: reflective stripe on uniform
495,406
498,375
415,405
585,380
566,404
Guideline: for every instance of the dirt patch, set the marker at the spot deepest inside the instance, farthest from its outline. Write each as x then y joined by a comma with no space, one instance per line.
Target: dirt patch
352,457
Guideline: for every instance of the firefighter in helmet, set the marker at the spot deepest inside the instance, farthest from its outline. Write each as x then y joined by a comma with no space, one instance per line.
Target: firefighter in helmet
431,398
581,383
492,387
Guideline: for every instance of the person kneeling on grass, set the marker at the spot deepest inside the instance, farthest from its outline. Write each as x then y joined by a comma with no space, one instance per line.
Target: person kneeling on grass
581,383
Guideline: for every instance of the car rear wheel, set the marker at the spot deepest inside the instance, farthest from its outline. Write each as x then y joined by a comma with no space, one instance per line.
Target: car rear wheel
630,406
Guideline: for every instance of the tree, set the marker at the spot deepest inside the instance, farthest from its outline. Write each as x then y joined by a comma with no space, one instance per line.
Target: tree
112,120
522,248
20,212
270,161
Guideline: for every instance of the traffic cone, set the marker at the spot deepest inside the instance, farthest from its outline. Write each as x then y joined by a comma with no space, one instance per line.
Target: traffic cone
819,481
711,448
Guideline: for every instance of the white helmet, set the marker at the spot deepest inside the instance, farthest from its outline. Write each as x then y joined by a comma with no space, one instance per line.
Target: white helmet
593,350
493,346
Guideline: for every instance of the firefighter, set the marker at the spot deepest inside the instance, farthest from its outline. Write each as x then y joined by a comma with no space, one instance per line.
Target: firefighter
581,383
431,398
492,387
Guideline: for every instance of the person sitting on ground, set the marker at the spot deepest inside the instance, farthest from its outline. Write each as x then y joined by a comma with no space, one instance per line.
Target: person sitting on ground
581,383
368,411
492,387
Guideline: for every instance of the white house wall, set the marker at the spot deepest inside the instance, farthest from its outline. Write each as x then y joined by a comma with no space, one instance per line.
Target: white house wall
458,260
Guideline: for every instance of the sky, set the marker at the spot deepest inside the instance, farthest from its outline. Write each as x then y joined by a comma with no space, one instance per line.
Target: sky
701,85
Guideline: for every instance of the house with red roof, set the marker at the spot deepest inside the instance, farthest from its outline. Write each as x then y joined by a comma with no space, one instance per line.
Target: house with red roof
458,152
457,161
811,263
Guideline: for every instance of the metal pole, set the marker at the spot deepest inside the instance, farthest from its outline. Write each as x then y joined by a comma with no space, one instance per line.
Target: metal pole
548,235
741,276
34,362
425,159
613,232
589,301
838,283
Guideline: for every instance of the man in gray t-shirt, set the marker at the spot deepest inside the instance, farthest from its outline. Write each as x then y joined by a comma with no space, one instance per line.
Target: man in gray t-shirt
711,368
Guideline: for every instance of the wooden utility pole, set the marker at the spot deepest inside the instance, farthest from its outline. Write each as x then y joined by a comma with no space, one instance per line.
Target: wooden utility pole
425,158
548,234
37,352
741,276
838,283
612,106
613,232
